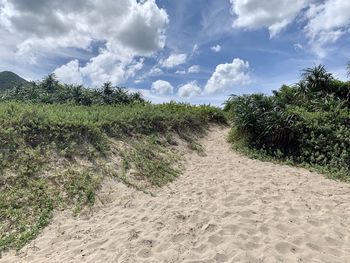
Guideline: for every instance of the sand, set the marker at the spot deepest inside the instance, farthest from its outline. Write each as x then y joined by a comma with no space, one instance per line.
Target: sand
224,208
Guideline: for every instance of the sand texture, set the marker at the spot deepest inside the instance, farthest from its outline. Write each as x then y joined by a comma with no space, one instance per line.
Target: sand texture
224,208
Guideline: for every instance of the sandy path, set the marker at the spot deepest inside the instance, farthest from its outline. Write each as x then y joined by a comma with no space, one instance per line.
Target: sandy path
225,208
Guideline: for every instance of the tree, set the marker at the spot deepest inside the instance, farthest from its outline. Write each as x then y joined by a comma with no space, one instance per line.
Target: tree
76,93
121,96
348,69
302,89
317,79
108,91
50,83
136,97
49,90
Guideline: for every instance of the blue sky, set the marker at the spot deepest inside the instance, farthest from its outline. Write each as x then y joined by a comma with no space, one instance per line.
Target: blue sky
165,48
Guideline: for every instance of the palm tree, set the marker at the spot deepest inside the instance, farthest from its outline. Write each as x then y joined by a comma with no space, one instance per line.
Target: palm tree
302,87
121,95
136,97
77,93
317,79
108,91
50,83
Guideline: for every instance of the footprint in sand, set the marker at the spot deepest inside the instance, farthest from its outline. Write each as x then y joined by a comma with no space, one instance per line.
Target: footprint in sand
144,253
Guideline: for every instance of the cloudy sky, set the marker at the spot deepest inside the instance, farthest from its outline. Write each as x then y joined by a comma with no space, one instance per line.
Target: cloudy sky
198,51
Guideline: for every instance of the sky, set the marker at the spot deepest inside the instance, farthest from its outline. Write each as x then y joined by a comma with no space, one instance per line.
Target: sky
196,51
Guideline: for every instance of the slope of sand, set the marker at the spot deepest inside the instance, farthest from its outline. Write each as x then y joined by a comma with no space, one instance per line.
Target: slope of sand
225,208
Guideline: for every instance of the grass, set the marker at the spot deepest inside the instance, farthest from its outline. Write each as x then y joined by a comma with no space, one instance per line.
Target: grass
56,156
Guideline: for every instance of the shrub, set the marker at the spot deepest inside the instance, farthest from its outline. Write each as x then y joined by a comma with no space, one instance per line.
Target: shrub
308,123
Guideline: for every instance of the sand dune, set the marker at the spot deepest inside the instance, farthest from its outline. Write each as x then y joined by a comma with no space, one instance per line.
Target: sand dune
224,208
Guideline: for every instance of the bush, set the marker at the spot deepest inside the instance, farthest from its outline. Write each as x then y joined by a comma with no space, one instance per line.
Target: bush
308,123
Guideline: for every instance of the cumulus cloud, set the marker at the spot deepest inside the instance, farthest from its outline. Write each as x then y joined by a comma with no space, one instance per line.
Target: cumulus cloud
189,90
327,21
77,23
161,87
228,75
273,14
129,28
100,69
216,48
194,69
155,71
108,67
70,73
174,60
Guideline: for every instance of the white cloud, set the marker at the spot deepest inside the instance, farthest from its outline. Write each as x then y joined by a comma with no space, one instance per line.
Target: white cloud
195,50
327,23
129,28
331,17
155,71
194,69
69,73
141,24
216,48
189,90
174,60
180,72
273,14
228,75
298,46
161,87
107,66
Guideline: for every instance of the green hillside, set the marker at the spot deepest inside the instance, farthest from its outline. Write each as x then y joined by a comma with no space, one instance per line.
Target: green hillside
9,79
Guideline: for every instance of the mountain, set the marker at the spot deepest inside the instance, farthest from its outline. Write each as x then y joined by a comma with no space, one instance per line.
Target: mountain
9,80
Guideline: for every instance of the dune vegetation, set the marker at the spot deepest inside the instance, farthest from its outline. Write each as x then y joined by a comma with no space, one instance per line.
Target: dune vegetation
58,141
306,124
55,151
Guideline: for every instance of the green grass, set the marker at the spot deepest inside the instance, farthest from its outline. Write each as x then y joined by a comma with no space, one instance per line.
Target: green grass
56,156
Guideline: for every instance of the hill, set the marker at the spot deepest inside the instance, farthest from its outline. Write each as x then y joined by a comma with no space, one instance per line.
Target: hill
9,79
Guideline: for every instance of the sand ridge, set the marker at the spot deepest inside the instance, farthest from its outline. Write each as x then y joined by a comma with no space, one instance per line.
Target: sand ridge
224,208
